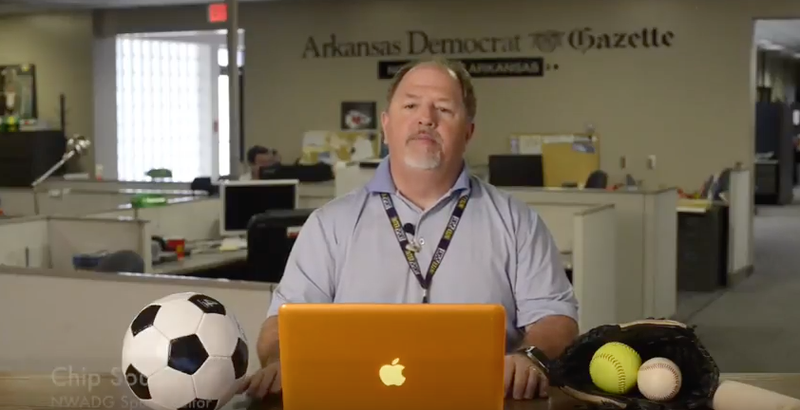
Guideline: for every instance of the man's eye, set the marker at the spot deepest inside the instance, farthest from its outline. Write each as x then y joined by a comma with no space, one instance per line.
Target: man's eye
409,106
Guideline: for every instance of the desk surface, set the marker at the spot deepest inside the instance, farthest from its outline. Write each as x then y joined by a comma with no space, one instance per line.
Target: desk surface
200,261
44,391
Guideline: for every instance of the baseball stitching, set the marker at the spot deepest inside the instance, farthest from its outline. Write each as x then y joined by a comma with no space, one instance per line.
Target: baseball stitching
664,366
618,367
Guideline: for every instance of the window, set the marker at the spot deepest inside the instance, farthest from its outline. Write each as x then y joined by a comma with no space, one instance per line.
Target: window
224,126
158,108
223,100
222,57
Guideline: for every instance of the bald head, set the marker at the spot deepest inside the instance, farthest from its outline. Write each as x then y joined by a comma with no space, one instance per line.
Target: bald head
455,69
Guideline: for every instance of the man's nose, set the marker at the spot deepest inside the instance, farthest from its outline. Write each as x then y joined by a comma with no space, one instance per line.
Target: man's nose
426,117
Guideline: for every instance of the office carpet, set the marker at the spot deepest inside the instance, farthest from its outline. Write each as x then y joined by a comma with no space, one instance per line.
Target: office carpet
754,327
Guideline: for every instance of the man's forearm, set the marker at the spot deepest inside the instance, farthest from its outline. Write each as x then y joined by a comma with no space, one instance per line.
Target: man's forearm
551,334
267,344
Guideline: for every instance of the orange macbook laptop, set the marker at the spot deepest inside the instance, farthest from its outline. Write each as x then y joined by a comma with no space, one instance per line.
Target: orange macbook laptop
392,357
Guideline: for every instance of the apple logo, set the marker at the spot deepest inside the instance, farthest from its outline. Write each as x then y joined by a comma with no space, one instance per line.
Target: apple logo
392,374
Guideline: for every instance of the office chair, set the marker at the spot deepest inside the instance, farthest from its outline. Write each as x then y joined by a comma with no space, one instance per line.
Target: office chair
121,261
204,184
597,179
268,245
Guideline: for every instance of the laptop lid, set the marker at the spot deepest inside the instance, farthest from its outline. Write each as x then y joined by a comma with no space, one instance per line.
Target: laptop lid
392,357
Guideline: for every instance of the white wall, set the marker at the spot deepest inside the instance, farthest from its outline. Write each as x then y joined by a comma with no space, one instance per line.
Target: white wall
60,46
667,102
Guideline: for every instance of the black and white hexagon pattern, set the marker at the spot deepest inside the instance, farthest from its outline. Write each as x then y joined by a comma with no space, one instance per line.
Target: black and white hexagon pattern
184,351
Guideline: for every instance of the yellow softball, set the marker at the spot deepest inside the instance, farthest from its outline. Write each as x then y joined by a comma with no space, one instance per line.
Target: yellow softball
614,368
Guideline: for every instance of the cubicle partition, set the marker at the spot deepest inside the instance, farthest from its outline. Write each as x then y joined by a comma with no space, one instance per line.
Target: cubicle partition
740,228
51,241
24,242
70,236
58,195
112,185
596,257
73,201
192,219
313,195
560,220
87,314
584,234
646,245
350,177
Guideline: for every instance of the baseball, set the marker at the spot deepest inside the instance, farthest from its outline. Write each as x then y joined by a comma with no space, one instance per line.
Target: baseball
659,379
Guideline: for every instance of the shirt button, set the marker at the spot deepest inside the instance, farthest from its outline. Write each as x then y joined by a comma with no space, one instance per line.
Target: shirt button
422,241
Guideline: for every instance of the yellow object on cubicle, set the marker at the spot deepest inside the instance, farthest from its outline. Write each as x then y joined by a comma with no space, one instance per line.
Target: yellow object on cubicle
331,147
566,158
694,205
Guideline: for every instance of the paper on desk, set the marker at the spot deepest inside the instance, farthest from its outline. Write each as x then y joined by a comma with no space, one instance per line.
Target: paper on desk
232,244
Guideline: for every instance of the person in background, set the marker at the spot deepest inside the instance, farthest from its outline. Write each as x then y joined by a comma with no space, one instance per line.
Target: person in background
259,157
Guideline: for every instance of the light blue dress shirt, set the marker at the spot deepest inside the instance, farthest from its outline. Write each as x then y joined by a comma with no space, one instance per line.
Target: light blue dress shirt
501,253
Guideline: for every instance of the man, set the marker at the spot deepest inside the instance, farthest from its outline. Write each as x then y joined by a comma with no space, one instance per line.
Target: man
259,157
500,252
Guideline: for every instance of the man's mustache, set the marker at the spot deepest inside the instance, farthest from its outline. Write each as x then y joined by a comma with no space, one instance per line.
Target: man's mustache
425,135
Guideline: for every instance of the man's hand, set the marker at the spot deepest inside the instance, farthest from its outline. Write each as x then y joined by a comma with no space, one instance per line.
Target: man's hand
522,380
266,380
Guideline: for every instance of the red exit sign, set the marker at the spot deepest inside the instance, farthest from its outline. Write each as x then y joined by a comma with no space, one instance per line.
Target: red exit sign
217,13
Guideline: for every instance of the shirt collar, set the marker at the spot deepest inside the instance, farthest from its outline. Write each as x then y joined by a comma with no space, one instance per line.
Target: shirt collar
382,182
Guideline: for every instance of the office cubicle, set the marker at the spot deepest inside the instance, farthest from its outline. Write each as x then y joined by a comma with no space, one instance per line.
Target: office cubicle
111,185
87,313
646,248
74,202
51,241
313,195
585,233
775,153
67,196
735,210
740,229
352,176
192,219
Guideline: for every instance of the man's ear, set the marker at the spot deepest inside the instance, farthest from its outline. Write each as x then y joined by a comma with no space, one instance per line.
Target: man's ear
384,119
470,131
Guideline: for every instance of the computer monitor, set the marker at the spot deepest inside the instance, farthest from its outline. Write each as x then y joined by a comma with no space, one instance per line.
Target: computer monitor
241,200
302,173
516,170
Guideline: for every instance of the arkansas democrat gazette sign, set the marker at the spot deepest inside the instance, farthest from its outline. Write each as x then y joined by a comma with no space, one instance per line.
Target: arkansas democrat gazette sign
417,43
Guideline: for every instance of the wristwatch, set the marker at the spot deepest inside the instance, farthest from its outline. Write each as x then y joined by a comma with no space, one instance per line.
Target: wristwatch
538,359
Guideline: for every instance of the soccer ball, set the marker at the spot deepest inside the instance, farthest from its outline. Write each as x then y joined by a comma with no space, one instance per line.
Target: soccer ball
184,351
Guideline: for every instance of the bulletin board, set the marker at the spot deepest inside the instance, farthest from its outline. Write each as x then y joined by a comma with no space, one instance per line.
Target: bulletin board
330,147
566,158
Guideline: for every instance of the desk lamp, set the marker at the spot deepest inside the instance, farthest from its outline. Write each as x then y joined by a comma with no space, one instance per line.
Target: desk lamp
76,145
